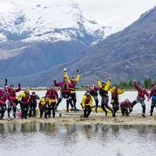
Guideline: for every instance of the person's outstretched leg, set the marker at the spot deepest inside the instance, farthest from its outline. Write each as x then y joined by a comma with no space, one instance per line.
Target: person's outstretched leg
103,105
133,104
58,102
105,100
143,108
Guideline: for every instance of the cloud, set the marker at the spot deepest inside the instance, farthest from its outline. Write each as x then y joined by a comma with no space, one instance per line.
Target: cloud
108,10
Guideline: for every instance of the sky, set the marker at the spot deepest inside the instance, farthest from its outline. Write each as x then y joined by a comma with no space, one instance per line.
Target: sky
114,10
104,11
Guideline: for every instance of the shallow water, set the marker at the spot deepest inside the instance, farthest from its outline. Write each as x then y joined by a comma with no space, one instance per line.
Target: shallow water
38,139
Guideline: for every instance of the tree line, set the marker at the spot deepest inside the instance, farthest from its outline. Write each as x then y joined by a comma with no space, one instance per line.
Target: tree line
128,85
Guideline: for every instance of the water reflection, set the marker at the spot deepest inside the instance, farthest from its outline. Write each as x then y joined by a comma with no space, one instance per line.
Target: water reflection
71,139
72,130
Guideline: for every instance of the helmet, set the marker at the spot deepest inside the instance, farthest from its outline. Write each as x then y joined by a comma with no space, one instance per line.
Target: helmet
88,91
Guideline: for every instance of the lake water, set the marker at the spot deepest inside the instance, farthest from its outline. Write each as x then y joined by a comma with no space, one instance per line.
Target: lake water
47,139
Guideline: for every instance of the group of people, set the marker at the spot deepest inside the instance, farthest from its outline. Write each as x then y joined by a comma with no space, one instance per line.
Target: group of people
125,106
50,102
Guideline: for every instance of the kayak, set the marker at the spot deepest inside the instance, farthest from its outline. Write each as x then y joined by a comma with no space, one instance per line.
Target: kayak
100,110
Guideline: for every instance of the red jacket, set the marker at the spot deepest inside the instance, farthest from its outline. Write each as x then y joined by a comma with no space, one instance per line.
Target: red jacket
141,92
64,87
125,104
33,99
5,96
52,94
153,94
12,93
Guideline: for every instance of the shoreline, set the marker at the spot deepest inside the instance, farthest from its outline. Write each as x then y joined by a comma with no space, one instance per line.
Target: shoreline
94,118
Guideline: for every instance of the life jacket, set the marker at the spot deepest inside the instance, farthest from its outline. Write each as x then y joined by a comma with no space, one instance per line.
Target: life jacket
65,88
93,93
52,94
115,94
127,104
154,94
33,100
72,89
87,100
3,98
12,94
103,92
25,100
115,97
141,93
43,102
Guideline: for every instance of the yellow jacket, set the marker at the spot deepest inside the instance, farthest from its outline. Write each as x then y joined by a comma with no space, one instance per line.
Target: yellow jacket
22,95
106,88
76,79
120,91
90,103
43,101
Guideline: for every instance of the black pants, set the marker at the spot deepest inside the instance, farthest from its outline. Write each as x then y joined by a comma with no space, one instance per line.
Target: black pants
87,111
152,106
125,111
72,100
115,108
10,107
66,96
96,100
51,108
43,110
24,109
2,110
104,104
32,110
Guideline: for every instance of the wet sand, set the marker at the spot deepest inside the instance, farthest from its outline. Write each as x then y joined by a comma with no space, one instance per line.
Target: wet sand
94,118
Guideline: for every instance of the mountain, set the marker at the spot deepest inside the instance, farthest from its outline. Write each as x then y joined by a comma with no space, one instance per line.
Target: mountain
129,54
37,35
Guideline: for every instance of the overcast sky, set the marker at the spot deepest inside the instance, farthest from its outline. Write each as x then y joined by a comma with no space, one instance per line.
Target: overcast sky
113,10
105,10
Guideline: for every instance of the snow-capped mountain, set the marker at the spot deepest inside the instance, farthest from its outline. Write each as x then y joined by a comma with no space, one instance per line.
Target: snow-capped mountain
113,27
37,35
47,20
